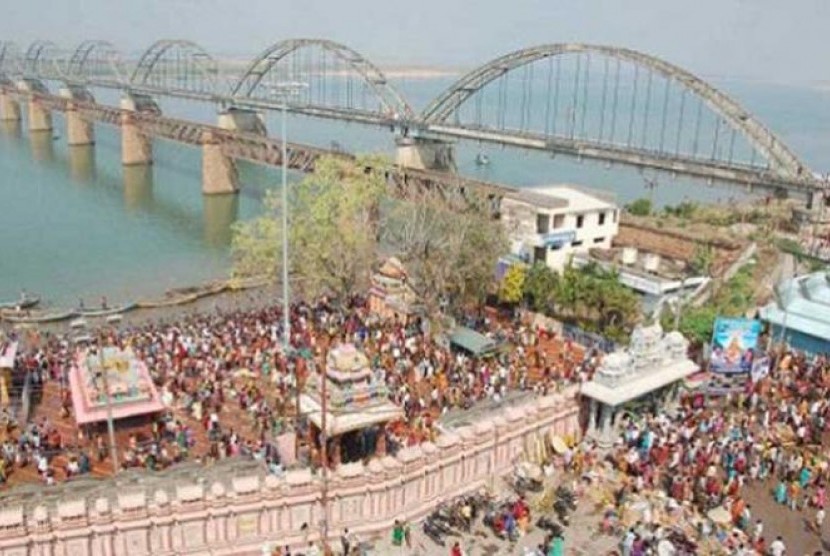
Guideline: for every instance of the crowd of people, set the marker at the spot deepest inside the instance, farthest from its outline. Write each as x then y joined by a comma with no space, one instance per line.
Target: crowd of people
228,374
768,434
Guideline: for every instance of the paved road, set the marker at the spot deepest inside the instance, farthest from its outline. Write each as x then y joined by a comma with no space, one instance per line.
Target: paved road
581,539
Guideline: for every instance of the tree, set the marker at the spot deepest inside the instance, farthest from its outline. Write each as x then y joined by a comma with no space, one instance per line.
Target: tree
639,207
333,230
702,259
449,247
511,288
539,286
596,299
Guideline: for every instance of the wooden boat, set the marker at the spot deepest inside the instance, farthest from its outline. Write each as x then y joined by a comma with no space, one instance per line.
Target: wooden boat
182,296
37,317
24,302
167,301
248,283
108,311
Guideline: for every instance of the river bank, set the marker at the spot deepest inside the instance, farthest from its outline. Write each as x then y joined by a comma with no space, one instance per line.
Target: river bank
226,301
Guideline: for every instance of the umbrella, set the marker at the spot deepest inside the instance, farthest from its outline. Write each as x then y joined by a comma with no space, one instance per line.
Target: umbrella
719,516
559,445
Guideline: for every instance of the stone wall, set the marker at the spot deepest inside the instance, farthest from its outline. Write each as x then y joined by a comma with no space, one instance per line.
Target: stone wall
237,515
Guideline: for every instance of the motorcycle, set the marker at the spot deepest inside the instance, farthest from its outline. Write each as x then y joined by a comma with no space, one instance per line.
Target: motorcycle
562,509
550,526
523,485
433,532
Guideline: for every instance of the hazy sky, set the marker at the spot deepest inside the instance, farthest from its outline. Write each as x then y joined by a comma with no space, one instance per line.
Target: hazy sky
775,40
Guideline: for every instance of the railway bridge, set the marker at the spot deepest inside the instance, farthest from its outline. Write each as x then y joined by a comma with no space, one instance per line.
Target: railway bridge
596,102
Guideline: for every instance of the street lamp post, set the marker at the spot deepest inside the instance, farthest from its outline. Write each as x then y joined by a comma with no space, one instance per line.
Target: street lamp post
110,421
680,298
286,320
324,437
284,90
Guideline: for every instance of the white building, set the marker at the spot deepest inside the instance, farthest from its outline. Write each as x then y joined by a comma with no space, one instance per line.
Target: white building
553,222
650,369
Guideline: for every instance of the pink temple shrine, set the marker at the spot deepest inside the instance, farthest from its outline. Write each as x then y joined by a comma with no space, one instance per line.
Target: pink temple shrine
132,390
357,407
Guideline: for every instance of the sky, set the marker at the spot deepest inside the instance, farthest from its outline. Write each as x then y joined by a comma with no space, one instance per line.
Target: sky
781,41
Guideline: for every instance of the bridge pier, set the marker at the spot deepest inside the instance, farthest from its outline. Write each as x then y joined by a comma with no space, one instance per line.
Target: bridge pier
425,154
219,173
136,147
9,108
79,132
40,117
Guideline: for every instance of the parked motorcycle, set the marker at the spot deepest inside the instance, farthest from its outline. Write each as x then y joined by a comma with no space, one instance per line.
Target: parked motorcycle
433,532
550,526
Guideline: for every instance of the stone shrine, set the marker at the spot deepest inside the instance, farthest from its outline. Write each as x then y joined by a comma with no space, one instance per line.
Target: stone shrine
651,366
356,406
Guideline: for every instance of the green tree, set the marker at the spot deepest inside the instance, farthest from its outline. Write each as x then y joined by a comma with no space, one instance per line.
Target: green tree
702,259
333,229
567,294
596,299
450,248
697,323
639,207
539,286
511,287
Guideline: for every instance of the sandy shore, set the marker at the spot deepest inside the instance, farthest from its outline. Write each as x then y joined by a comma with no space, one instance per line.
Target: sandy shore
226,301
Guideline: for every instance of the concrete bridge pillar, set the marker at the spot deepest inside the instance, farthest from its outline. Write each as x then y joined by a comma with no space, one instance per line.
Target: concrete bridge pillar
79,131
136,147
40,117
242,120
421,153
9,108
219,174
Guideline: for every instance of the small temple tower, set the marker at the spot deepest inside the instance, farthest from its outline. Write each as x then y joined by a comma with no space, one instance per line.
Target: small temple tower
392,294
356,407
651,367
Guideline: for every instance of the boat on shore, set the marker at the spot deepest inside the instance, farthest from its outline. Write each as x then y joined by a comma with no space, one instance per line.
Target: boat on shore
182,296
25,302
236,284
33,317
106,312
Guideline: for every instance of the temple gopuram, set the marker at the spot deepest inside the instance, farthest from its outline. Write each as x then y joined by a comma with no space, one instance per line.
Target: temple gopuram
391,294
357,407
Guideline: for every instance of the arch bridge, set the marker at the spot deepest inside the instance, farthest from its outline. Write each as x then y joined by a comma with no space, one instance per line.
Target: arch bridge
598,102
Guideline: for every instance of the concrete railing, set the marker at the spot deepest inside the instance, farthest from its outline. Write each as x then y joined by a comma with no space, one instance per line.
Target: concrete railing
236,515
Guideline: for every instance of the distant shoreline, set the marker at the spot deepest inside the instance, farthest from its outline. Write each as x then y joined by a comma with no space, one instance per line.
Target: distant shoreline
419,73
390,71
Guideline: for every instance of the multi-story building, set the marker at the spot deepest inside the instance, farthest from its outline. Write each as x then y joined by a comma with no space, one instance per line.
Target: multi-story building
552,223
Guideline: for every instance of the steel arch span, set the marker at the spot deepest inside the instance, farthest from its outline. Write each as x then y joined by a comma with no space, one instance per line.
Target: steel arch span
564,129
96,62
178,67
43,60
11,61
331,80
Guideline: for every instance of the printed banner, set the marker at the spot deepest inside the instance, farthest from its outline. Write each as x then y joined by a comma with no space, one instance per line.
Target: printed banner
733,345
760,367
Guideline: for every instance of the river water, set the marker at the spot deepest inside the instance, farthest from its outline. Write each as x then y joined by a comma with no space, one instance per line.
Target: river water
75,224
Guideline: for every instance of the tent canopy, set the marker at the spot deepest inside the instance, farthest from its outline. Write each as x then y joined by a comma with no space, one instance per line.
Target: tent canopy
473,342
